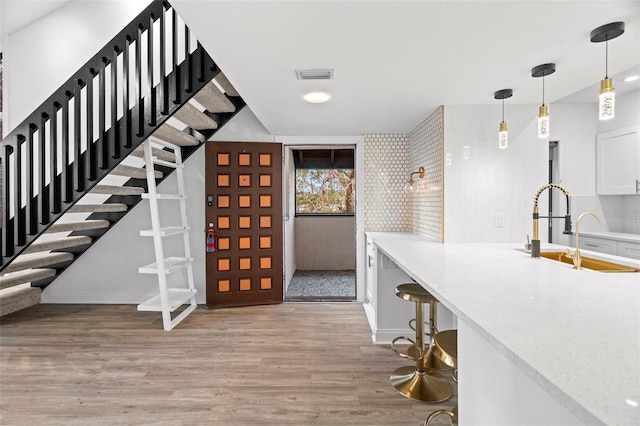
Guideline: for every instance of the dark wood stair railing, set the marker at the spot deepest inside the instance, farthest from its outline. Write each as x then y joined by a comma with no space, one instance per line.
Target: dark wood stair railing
96,119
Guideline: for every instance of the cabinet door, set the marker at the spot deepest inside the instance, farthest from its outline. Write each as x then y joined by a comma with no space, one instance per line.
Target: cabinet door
618,162
627,249
598,244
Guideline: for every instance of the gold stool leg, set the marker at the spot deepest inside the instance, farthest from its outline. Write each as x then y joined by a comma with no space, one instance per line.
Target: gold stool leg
414,382
432,362
453,414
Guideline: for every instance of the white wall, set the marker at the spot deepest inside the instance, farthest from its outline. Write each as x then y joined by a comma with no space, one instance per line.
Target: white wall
40,57
289,181
108,271
491,181
325,243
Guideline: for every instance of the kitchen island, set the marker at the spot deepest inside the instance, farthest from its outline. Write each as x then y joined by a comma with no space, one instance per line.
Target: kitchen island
537,340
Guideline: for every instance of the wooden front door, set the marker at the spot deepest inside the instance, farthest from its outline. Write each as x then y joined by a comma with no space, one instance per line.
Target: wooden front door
243,187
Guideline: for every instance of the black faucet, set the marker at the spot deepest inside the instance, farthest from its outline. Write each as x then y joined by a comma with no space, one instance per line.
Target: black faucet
535,242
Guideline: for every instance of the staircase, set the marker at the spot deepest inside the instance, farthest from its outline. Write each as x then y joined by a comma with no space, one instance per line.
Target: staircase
87,176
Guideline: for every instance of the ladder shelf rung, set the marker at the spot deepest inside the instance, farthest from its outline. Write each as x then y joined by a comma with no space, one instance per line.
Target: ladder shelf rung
166,196
176,297
166,231
159,162
171,264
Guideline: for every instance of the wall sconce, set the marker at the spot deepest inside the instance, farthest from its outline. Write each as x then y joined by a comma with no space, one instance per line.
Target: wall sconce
606,104
543,112
502,134
409,186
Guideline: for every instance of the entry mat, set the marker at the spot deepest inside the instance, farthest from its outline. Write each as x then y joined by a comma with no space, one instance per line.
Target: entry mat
322,286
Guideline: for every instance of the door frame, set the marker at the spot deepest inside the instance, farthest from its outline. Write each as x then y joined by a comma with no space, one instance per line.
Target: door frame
355,143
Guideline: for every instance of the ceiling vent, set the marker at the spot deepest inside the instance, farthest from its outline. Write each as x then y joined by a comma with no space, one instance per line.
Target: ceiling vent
317,74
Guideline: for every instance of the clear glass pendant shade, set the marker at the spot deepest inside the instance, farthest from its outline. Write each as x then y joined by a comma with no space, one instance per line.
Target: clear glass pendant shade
503,137
543,122
606,106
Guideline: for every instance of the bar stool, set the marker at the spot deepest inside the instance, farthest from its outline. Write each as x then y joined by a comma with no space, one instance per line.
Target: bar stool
414,381
446,349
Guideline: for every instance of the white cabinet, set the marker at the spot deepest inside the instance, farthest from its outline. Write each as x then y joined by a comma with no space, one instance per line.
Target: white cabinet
610,246
389,315
627,249
600,245
618,162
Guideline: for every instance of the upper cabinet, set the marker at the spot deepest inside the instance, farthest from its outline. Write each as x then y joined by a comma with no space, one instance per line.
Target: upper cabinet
618,162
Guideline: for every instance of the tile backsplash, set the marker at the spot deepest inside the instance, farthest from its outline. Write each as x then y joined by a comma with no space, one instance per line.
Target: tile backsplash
385,164
426,144
389,160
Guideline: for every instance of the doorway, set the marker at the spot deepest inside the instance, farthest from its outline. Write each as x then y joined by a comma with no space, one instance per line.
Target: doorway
320,232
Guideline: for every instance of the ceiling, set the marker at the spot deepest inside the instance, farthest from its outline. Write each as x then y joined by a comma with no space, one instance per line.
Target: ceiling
395,62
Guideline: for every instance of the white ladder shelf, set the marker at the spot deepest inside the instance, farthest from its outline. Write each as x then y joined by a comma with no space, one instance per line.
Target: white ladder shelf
168,299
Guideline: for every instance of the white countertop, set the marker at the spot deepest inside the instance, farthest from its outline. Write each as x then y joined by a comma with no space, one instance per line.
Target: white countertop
618,236
574,332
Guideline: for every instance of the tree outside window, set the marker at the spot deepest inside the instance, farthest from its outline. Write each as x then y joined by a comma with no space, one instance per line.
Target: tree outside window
325,191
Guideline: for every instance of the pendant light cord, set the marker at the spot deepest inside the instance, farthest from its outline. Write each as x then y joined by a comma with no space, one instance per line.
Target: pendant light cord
503,109
542,89
606,58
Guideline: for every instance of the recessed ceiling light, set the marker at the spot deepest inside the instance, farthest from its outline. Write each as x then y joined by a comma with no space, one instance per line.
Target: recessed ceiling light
316,97
631,78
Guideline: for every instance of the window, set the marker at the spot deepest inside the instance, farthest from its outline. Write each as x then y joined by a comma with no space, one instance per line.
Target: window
325,191
325,181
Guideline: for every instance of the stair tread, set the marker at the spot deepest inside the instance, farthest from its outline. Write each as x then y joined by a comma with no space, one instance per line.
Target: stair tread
195,118
161,154
117,190
25,276
223,81
98,208
177,137
58,243
81,225
36,260
213,99
17,298
134,172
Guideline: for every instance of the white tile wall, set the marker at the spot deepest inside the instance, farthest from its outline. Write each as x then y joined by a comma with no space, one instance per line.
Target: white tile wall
426,144
489,195
385,160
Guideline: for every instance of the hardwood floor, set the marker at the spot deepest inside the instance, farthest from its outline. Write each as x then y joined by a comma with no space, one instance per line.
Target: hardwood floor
289,364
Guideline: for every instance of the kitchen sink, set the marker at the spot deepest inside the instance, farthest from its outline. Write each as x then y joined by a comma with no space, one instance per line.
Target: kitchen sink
589,262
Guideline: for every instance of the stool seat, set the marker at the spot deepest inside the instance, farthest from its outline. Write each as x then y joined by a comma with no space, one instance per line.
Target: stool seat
414,292
445,347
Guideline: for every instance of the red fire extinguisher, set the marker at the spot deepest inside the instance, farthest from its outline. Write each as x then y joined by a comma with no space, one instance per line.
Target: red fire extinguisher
211,241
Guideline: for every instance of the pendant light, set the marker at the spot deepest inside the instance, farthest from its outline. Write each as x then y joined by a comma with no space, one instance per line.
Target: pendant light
502,133
606,104
543,112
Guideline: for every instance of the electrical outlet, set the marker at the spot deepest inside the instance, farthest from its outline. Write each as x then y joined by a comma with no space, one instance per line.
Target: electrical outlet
499,220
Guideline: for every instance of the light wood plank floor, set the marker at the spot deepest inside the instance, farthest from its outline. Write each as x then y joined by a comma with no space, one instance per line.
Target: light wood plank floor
289,364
